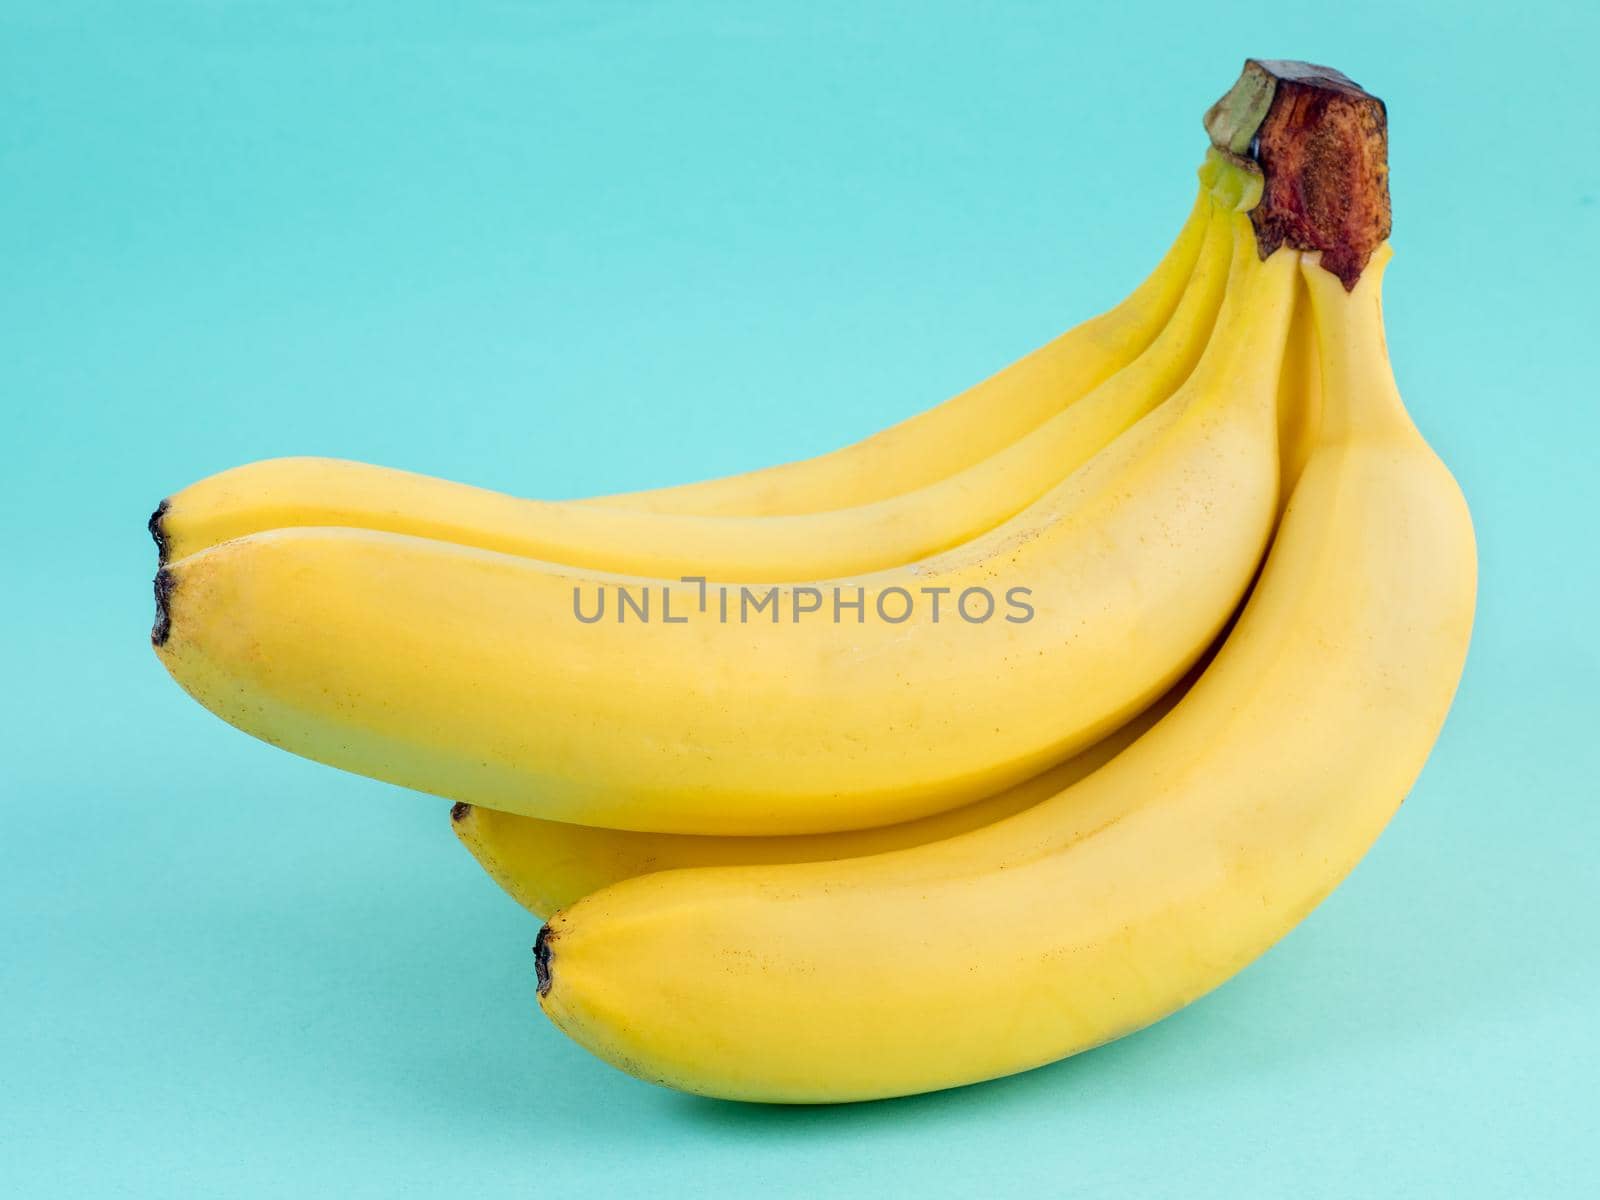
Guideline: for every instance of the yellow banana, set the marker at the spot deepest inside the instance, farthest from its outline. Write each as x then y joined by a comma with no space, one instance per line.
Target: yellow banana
1127,895
1299,396
547,865
285,493
467,673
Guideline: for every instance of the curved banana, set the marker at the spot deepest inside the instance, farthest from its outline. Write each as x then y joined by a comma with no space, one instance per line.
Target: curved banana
548,865
963,430
1126,896
290,492
479,676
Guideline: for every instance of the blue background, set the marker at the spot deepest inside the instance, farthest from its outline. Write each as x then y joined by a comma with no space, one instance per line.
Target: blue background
567,249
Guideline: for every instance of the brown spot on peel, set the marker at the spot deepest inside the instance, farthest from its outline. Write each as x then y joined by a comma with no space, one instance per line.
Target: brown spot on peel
1321,142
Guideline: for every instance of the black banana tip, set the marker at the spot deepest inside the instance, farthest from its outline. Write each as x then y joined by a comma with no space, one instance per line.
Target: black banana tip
541,959
164,579
166,584
158,531
459,812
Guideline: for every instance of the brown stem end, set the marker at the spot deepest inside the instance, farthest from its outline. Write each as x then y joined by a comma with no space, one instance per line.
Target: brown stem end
1322,143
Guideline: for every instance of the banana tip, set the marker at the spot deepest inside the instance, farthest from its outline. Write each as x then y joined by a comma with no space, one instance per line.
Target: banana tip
164,579
165,584
541,958
158,530
459,812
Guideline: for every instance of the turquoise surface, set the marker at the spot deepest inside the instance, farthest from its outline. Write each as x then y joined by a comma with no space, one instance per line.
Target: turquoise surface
566,249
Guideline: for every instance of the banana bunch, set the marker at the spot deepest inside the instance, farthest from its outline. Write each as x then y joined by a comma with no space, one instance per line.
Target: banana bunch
1002,733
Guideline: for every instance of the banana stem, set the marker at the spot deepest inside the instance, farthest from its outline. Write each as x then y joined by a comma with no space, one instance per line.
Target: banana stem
1321,145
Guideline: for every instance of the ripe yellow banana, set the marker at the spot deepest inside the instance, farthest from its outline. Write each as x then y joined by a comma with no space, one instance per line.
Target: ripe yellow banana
468,673
963,430
285,493
1299,397
1127,895
548,865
